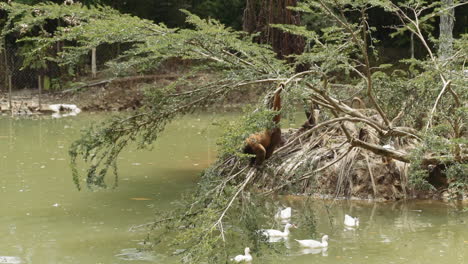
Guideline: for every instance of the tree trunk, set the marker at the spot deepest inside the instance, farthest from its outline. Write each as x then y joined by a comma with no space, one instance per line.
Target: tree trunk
39,84
10,84
446,28
259,14
412,45
93,62
6,68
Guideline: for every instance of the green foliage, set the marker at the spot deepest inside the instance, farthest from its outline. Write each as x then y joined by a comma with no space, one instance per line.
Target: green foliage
413,92
418,175
457,175
227,12
440,147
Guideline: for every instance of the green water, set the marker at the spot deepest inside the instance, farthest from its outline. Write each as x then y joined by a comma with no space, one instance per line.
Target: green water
45,219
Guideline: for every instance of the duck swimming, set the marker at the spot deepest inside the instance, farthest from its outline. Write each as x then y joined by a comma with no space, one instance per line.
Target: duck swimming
310,243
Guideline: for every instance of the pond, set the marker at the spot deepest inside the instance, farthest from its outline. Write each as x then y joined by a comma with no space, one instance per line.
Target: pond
45,219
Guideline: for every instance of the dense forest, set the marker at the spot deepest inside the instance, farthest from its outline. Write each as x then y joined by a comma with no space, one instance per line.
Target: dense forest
231,13
382,85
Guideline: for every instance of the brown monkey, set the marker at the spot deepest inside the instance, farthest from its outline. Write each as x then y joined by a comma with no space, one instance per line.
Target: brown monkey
263,144
312,114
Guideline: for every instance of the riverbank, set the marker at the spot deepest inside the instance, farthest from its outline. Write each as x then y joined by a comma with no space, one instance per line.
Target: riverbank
111,94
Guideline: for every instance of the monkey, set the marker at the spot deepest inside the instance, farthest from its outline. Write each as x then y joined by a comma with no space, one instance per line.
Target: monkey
262,144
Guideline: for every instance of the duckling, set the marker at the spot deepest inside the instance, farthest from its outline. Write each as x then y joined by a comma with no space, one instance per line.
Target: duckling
243,258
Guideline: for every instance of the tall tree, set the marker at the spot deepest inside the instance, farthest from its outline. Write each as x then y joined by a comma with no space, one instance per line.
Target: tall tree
446,28
260,14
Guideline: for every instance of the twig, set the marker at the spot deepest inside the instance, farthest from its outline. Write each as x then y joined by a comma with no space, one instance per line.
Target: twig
222,185
132,228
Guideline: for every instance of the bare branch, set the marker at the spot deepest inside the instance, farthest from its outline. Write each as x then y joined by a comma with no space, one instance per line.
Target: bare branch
250,174
431,115
381,150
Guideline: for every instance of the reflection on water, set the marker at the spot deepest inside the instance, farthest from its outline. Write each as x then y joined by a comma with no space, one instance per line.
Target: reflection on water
44,219
9,260
323,251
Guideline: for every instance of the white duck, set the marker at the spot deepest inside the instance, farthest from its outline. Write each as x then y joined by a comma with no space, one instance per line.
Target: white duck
351,221
283,214
243,258
310,243
276,233
63,110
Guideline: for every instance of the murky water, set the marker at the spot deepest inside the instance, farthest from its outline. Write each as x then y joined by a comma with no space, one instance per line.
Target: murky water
45,219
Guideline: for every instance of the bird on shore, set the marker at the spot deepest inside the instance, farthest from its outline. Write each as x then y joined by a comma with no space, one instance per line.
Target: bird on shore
351,221
243,258
310,243
277,233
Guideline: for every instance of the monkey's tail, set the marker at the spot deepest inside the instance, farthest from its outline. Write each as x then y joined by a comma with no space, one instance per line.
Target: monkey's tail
277,106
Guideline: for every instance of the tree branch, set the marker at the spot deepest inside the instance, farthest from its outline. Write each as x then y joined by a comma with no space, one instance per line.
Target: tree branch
250,174
431,115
